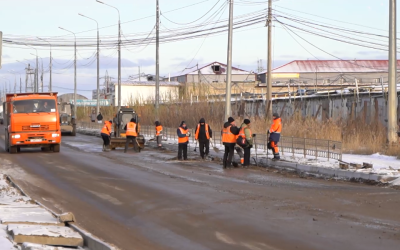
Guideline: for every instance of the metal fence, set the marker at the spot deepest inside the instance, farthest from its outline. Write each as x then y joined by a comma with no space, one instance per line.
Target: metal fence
287,145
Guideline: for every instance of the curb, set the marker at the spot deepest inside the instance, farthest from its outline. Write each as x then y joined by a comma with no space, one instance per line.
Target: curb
90,241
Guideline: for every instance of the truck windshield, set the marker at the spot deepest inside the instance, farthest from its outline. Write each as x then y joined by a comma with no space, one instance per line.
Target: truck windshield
34,106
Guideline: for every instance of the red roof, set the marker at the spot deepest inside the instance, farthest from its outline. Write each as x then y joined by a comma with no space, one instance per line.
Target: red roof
334,66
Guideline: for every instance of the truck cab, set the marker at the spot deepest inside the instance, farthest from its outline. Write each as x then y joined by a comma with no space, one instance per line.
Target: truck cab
32,120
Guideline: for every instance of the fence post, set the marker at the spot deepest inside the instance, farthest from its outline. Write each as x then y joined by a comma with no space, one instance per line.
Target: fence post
292,147
304,147
316,149
328,150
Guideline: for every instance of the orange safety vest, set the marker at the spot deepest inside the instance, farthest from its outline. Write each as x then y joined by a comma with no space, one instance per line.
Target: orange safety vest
276,126
196,136
227,136
131,129
158,130
184,139
106,128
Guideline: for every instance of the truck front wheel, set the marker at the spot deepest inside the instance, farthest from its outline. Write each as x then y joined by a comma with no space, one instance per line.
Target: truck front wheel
13,149
56,148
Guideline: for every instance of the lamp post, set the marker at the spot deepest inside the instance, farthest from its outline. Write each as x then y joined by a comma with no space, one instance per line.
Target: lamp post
98,63
35,89
50,83
74,69
119,54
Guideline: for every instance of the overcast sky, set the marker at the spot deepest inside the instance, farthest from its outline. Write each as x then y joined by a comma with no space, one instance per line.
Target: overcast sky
27,18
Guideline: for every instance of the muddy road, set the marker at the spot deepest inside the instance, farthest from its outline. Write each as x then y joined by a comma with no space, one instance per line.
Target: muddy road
148,201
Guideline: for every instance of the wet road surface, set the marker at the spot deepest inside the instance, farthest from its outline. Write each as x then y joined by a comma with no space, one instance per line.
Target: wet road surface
149,201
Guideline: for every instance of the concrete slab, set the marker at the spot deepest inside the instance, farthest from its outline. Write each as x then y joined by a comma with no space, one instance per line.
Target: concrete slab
27,215
45,235
32,246
5,243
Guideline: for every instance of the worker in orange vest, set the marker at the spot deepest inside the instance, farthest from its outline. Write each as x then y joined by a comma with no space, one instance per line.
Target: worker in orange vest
203,134
229,135
159,130
183,140
131,129
274,135
105,134
245,141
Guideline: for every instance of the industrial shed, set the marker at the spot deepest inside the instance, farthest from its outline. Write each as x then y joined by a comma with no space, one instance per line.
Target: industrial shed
317,72
212,73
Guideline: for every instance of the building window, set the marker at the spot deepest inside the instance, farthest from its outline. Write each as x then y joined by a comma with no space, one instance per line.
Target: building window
216,68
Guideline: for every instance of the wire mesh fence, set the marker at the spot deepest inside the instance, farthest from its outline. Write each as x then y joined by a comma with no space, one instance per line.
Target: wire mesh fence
287,145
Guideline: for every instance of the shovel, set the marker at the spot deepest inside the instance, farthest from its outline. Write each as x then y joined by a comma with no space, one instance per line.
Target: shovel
215,148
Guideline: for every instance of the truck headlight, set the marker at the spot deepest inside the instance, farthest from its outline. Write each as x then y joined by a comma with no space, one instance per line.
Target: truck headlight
55,135
16,136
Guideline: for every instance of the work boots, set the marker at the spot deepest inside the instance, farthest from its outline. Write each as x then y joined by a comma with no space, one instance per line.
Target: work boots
276,157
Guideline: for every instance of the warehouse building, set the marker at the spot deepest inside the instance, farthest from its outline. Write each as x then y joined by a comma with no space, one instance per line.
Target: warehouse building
212,73
141,92
330,72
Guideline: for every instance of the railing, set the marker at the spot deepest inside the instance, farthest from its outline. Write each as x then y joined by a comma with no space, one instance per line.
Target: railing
287,145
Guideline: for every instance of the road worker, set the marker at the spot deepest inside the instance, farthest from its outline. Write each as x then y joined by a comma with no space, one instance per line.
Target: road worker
245,141
229,136
203,134
274,135
131,129
183,140
105,134
159,130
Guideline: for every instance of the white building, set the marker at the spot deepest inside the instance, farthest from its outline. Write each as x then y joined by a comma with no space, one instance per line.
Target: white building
212,73
141,92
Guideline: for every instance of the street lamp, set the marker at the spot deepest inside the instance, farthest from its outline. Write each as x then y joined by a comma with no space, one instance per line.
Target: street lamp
35,89
98,62
119,53
74,70
50,84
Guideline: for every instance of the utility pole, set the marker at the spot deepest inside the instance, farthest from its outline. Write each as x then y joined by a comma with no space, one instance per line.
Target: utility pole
20,84
50,66
26,77
139,74
228,110
268,104
98,63
157,60
41,78
75,85
392,88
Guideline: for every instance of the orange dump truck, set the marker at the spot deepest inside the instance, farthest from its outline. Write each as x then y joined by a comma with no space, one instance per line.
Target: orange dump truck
31,120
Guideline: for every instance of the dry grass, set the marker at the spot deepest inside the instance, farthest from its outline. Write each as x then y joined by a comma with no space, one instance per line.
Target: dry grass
357,136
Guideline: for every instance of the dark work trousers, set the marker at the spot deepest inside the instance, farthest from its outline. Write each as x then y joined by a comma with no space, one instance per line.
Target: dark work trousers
106,139
246,156
158,139
182,148
204,145
228,155
128,140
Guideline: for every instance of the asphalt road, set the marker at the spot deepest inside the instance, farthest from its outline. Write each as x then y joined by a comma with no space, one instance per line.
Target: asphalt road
148,200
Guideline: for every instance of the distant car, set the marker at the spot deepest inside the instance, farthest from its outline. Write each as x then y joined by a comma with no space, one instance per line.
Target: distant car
301,92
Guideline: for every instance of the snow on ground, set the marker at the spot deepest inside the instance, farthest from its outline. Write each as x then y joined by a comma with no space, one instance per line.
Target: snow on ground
382,164
5,243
